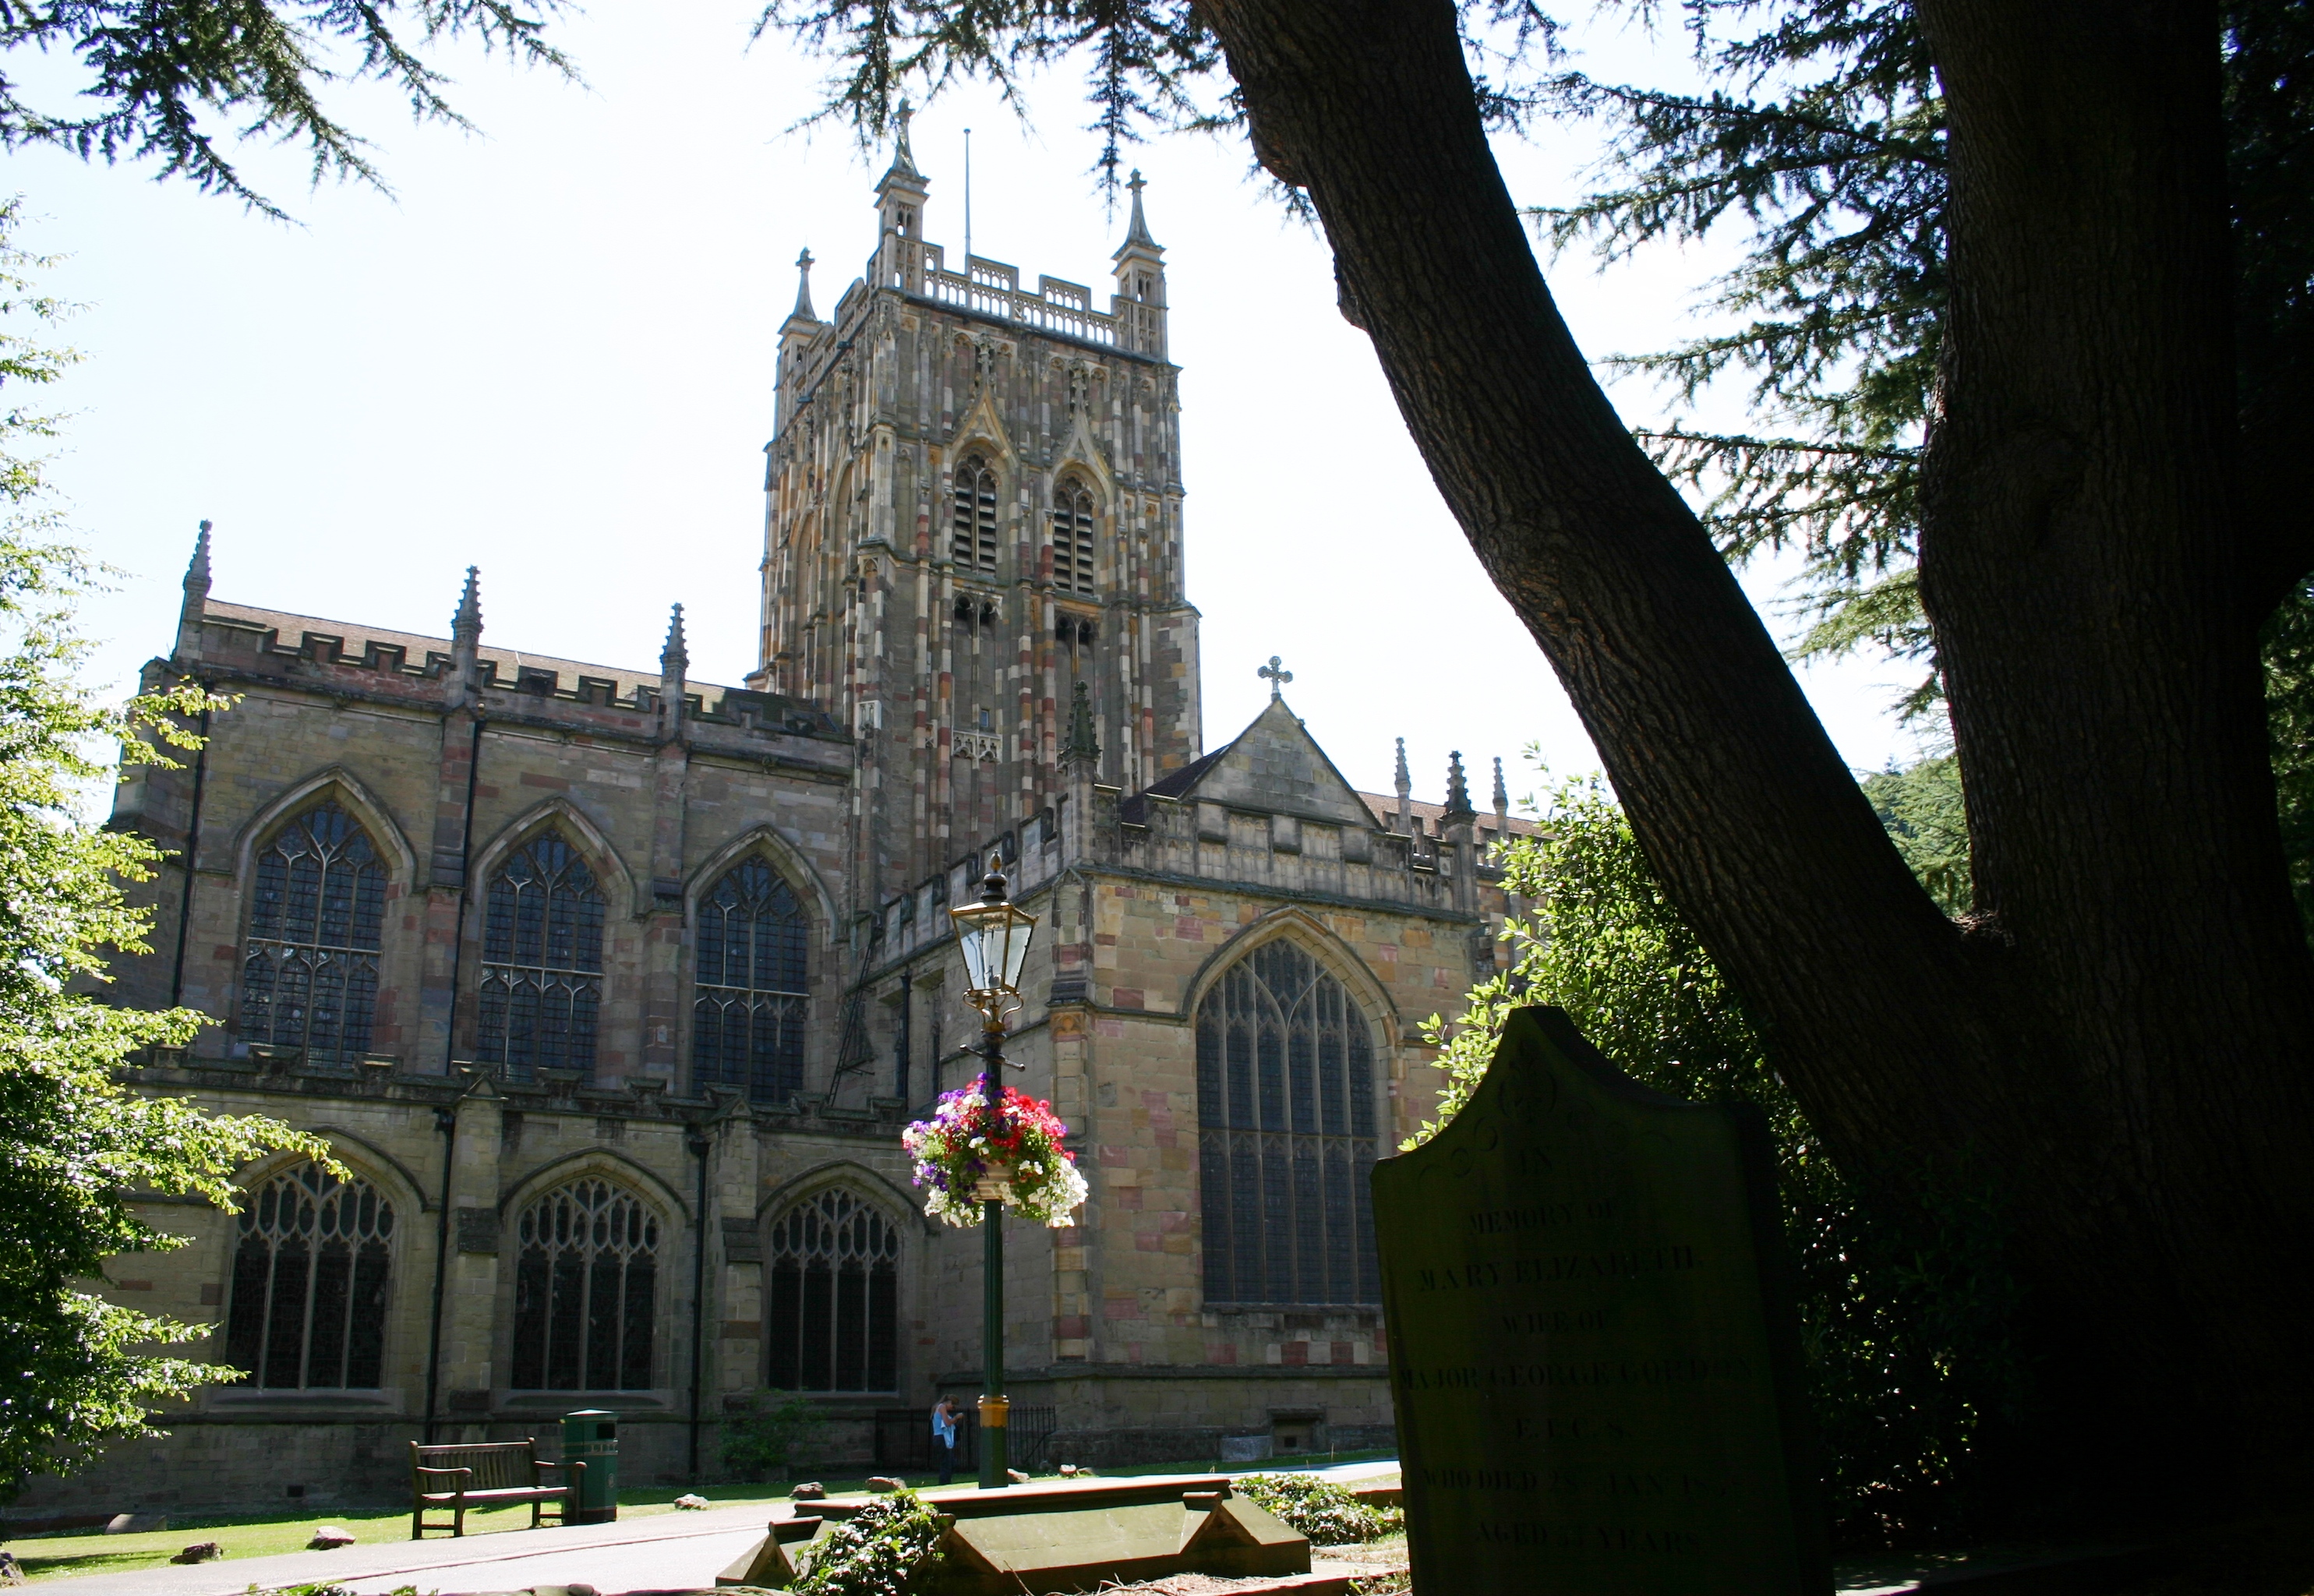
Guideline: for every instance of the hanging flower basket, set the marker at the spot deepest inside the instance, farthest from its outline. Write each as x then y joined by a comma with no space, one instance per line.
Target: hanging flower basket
967,1155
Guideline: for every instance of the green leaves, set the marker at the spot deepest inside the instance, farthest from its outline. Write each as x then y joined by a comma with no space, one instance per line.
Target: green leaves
1605,944
2288,651
874,1552
75,1371
1324,1513
1925,814
757,1445
1905,1313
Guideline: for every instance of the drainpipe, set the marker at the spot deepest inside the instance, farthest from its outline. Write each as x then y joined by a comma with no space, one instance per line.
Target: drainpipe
907,1042
698,1144
193,852
445,1120
466,868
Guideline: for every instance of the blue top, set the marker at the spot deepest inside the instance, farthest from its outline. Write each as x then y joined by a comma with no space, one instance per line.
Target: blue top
943,1425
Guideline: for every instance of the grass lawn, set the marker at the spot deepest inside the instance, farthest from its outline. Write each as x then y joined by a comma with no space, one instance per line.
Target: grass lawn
81,1551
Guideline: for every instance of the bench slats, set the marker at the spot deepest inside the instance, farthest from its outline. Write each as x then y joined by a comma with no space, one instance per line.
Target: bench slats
460,1477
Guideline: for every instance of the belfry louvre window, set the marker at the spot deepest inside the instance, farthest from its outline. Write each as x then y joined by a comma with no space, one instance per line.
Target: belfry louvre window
1285,1134
748,1006
584,1283
309,1276
833,1323
972,527
1072,519
542,962
309,973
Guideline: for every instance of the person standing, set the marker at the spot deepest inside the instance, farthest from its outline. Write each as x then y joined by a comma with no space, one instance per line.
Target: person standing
944,1436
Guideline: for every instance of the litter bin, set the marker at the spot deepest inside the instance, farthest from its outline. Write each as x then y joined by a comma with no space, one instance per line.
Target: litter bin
591,1436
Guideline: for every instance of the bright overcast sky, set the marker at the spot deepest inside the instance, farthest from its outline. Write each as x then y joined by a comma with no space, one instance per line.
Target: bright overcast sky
550,354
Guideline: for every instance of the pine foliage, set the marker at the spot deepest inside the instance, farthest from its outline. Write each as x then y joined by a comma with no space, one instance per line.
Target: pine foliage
157,77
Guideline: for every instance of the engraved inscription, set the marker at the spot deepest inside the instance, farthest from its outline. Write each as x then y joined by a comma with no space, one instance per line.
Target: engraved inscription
1581,1365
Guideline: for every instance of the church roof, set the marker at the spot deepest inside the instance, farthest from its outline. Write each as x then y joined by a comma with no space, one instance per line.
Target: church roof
1274,765
291,628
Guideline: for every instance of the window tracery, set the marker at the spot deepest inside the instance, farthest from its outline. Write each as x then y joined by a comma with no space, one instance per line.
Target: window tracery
1287,1134
972,523
309,971
750,999
309,1282
1072,523
542,982
834,1269
585,1290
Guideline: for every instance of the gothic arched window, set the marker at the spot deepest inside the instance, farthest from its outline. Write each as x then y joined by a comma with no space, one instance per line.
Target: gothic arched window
749,1003
1285,1134
1072,519
541,961
309,973
972,524
584,1281
834,1321
309,1279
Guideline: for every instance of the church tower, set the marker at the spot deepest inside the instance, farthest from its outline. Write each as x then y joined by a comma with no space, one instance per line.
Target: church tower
974,506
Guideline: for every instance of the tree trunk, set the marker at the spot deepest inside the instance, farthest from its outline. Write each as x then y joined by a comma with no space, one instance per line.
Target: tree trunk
2125,1041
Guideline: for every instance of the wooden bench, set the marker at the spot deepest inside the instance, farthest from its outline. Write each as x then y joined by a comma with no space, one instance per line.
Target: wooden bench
453,1479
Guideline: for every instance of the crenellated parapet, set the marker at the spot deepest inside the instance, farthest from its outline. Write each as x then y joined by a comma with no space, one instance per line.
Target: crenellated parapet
234,647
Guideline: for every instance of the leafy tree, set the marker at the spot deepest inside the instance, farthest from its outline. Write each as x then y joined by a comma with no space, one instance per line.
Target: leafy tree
77,1370
2121,1033
1907,1326
2288,650
1922,806
156,77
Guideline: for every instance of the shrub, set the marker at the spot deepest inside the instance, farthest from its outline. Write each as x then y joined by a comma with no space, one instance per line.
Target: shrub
874,1552
1326,1513
755,1445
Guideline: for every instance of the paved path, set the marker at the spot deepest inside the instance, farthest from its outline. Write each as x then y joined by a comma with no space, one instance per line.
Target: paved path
667,1551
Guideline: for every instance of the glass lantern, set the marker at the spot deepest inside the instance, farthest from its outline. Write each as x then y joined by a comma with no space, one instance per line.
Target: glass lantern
993,935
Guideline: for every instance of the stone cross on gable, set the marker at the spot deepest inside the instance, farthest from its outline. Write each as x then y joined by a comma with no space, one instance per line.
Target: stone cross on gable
1277,676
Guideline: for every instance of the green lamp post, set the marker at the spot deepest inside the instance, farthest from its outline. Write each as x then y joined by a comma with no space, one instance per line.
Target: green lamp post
993,935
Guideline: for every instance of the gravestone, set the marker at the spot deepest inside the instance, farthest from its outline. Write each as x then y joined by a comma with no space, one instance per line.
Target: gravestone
1593,1356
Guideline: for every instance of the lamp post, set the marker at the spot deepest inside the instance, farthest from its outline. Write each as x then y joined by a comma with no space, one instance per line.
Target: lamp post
994,935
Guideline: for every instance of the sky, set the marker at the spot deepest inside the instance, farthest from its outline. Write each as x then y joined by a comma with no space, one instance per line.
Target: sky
550,352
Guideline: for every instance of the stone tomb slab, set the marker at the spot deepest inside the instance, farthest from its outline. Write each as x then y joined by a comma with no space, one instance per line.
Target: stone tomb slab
1042,1539
1593,1351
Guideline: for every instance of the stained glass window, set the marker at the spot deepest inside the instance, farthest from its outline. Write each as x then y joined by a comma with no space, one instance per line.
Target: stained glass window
586,1272
309,1275
972,526
1072,519
835,1269
748,1005
542,980
309,972
1287,1134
